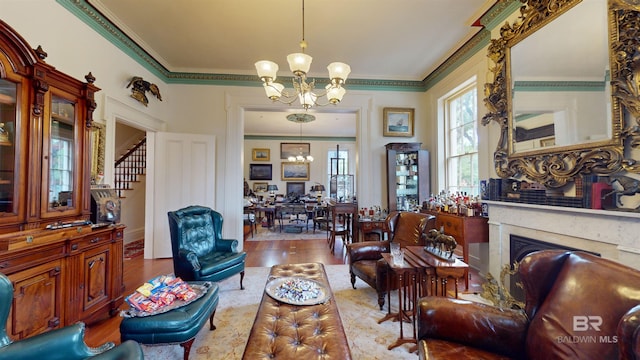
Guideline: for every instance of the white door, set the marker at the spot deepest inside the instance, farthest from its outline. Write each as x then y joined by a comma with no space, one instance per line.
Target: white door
184,174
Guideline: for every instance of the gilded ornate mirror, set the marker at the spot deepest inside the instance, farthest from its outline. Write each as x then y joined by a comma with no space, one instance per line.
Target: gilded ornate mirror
565,90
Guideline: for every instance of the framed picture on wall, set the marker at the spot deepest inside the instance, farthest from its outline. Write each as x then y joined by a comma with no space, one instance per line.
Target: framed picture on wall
294,149
261,154
260,187
295,171
398,122
260,172
296,187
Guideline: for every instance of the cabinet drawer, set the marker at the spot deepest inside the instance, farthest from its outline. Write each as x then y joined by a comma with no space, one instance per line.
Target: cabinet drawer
25,260
89,241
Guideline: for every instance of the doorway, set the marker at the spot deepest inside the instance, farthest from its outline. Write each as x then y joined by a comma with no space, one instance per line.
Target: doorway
130,147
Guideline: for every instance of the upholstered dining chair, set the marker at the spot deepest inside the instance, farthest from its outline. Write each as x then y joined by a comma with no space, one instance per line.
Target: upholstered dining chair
365,258
65,343
199,251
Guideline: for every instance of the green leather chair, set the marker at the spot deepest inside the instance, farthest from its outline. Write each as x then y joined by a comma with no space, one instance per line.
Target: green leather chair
66,343
199,251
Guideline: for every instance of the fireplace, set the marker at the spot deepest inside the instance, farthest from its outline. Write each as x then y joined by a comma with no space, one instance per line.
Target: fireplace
520,247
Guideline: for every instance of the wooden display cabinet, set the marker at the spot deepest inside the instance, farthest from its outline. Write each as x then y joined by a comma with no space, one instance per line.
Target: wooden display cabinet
62,269
408,177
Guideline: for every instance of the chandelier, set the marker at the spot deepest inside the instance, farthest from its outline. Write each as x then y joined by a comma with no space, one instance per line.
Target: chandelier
300,119
299,64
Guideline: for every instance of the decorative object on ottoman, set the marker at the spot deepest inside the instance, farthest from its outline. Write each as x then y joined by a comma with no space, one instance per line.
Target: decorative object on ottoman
65,343
199,251
577,306
179,325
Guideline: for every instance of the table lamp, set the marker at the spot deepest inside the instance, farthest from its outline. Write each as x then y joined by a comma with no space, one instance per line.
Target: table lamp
318,189
272,191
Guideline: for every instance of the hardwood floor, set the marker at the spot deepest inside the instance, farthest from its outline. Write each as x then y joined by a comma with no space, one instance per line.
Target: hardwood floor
259,253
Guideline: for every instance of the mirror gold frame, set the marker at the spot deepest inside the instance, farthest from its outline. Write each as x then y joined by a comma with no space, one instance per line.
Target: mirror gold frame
555,167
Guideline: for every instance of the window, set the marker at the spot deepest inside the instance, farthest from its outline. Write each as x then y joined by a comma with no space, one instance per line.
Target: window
338,164
461,151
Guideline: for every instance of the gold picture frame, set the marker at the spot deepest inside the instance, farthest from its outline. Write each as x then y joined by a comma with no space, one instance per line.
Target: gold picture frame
398,122
97,151
295,171
260,187
261,154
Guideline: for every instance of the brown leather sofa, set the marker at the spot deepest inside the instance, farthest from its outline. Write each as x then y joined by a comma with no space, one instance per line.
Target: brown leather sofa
365,258
577,306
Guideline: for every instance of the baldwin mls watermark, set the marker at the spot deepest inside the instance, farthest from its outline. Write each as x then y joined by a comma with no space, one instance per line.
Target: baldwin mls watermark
587,323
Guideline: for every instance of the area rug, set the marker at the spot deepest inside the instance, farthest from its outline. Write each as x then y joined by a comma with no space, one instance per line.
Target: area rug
134,249
237,309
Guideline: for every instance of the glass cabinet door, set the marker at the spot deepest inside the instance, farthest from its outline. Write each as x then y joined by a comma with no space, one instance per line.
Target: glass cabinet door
406,180
8,163
61,139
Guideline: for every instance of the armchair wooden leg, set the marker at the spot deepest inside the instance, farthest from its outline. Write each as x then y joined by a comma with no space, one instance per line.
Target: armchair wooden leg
241,279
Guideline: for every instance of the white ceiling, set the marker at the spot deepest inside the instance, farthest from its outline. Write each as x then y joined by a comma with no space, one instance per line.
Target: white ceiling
379,39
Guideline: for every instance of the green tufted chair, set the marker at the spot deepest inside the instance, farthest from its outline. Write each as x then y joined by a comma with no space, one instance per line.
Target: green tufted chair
66,343
199,251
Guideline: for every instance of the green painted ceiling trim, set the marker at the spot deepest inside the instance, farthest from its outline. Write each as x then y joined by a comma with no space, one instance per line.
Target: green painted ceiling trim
524,117
299,139
499,13
90,16
477,43
551,86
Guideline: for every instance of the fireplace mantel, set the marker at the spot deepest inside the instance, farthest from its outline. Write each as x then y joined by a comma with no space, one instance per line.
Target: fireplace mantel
614,234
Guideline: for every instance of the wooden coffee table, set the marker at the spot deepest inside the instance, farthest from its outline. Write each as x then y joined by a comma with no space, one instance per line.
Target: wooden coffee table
285,331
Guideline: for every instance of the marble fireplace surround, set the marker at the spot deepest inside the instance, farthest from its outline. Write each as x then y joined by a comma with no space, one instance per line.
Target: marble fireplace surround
613,234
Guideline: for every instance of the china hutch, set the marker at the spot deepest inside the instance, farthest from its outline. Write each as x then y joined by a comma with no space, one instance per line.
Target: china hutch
63,269
408,175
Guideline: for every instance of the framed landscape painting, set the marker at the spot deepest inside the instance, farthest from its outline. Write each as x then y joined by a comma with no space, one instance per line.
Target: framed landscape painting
260,187
398,122
260,172
261,154
296,187
292,171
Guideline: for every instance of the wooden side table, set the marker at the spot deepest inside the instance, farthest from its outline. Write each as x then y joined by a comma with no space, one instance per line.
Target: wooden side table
405,275
444,270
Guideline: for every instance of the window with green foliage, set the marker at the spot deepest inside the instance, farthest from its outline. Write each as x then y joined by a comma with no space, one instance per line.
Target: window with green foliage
462,141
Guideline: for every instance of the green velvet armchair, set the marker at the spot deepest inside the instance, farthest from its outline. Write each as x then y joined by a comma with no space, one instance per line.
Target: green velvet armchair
199,251
66,343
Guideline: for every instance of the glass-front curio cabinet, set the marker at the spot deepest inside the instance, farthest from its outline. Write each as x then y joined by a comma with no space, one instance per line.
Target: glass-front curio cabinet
407,176
63,269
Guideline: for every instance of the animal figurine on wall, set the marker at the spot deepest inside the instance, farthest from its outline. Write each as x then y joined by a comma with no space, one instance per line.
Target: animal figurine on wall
140,87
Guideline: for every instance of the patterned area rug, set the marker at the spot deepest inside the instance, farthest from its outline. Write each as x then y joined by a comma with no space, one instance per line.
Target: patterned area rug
237,309
134,249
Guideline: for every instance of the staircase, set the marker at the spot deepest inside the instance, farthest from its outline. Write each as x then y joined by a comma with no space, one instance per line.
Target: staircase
130,166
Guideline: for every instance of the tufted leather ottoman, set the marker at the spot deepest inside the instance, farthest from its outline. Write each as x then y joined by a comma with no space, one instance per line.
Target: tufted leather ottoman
283,331
178,326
